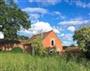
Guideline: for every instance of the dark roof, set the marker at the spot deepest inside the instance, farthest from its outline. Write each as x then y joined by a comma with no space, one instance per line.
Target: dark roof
43,35
5,41
72,49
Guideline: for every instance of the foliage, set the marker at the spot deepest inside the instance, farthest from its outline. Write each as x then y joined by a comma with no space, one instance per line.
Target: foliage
17,50
26,62
12,20
37,46
82,36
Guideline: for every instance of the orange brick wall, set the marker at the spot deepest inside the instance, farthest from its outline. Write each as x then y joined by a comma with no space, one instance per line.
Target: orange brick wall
47,41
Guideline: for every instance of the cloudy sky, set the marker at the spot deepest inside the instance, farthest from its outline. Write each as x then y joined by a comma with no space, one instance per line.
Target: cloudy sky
62,16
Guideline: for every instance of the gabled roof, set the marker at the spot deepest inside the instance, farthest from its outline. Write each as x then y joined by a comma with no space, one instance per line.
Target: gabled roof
43,35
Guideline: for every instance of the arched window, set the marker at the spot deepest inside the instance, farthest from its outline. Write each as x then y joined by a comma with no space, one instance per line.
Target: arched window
52,42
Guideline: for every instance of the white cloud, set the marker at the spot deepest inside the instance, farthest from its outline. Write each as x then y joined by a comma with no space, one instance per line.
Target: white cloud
67,39
16,1
34,18
67,36
67,43
42,27
38,27
74,22
35,10
82,4
78,3
62,34
1,35
71,28
56,30
35,13
89,14
59,15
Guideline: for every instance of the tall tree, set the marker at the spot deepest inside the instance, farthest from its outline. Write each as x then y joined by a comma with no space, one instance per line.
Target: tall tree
12,19
82,36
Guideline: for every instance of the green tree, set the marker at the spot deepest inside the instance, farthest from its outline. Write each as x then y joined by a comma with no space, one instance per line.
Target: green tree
82,36
37,45
12,20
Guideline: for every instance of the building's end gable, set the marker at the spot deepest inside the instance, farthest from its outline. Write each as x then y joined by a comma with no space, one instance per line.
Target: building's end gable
52,40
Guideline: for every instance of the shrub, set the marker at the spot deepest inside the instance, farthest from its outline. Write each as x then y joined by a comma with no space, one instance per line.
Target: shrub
17,50
37,47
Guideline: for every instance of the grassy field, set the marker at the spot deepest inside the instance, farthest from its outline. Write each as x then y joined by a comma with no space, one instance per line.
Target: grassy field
26,62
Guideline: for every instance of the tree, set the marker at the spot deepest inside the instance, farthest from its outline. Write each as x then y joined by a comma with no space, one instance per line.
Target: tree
37,46
82,36
12,20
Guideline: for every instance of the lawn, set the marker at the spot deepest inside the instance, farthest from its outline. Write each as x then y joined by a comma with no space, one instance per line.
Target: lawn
26,62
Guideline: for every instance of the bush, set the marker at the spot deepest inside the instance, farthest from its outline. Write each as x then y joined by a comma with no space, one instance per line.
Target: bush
17,50
37,46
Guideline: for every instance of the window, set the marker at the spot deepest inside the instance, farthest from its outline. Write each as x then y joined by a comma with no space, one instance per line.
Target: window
52,42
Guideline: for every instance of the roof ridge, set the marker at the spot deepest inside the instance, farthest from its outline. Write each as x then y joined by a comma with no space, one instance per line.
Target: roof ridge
44,34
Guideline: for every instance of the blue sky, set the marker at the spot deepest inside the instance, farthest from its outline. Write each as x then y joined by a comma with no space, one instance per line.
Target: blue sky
62,16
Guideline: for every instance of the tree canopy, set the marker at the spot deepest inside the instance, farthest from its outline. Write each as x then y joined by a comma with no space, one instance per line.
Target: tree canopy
11,20
82,36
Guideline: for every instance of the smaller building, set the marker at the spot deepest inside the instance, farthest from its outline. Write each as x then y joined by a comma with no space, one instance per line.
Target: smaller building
50,40
7,45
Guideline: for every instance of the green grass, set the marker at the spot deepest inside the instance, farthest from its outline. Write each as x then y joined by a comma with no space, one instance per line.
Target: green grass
26,62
